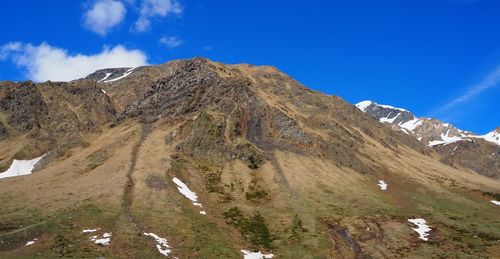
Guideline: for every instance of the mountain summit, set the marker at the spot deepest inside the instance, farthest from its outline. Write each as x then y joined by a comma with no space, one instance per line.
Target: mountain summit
199,159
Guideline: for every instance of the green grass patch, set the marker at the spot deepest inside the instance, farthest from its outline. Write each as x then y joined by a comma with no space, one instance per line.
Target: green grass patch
253,227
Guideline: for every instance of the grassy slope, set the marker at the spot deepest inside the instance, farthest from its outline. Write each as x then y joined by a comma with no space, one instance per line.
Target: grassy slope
77,192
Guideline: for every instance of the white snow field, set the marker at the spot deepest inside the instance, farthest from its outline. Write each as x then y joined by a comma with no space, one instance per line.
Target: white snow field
32,242
184,190
104,241
382,185
20,167
422,228
255,255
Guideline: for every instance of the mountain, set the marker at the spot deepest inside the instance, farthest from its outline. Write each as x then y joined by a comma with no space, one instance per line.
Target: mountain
480,153
199,159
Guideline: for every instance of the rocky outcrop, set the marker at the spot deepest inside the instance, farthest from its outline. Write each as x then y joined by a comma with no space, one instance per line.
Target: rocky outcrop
107,74
4,133
479,155
49,113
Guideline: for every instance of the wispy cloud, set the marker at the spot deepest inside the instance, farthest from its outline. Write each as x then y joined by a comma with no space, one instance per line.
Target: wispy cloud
489,81
104,15
171,41
208,48
151,9
45,62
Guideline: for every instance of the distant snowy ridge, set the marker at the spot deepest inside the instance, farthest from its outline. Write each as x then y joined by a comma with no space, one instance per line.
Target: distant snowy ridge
430,131
493,136
364,104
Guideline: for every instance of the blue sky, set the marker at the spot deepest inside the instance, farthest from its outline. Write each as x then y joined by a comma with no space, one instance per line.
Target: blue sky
438,58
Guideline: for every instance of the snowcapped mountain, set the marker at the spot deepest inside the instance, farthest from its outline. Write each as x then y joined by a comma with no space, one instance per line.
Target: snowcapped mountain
428,130
493,136
480,153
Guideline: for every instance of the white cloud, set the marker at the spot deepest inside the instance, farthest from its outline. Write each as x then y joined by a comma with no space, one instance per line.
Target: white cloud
171,41
44,62
489,81
155,8
104,16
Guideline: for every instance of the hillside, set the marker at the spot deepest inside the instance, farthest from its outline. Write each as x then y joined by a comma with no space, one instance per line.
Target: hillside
198,159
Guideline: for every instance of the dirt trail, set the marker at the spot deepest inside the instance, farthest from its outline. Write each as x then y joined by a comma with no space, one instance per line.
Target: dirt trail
128,192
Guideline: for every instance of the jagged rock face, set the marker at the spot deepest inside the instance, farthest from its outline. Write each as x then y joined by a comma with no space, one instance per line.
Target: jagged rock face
457,147
237,98
50,112
231,98
386,113
24,104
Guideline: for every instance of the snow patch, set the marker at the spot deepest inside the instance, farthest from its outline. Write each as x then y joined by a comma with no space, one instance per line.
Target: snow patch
382,185
363,105
184,190
103,91
105,77
203,212
32,242
255,255
390,120
493,137
495,202
422,228
20,167
128,72
446,139
392,107
104,241
90,230
161,244
411,124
